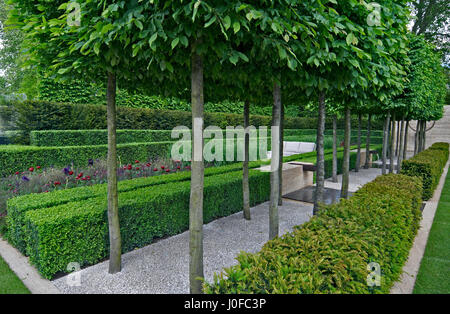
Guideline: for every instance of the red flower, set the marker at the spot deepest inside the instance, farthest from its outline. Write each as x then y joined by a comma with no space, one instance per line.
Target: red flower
149,164
168,170
38,167
178,167
88,178
130,167
80,174
162,167
17,172
31,169
70,173
57,183
136,161
137,168
84,179
156,169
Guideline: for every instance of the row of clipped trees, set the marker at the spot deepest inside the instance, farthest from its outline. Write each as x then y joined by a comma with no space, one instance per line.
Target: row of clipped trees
347,56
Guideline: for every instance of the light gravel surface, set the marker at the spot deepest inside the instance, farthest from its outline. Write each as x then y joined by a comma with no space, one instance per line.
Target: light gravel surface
163,267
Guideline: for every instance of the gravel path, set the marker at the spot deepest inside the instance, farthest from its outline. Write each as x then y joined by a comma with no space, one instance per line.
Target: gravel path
163,267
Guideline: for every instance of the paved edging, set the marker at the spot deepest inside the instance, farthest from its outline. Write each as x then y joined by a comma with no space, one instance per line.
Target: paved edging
408,278
25,272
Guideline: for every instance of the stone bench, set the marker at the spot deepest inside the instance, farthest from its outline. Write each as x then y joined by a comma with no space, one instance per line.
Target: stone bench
295,148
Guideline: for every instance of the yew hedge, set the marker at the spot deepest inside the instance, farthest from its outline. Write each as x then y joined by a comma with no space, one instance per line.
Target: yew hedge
331,252
428,165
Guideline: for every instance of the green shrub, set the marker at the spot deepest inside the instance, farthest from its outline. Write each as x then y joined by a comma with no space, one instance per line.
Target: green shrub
18,158
78,232
331,252
96,137
428,165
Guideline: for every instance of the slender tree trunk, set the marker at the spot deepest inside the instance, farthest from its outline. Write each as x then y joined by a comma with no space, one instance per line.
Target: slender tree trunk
320,174
197,178
400,146
115,240
358,155
346,161
424,141
385,142
392,157
245,184
369,130
335,166
280,173
416,139
274,174
398,139
405,149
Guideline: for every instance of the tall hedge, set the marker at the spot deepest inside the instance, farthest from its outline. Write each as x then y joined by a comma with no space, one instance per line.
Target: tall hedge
40,115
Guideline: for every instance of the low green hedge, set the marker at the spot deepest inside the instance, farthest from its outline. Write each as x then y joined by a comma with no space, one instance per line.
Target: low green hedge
96,137
78,232
100,137
18,158
331,252
428,165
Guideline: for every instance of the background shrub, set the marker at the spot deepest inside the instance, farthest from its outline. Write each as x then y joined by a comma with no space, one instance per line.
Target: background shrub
40,115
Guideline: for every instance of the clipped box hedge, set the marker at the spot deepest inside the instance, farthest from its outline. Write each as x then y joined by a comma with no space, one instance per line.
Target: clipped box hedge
428,165
331,252
18,158
100,137
78,232
96,137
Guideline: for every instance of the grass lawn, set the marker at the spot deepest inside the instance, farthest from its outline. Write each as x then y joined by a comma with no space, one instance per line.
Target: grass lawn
434,273
9,283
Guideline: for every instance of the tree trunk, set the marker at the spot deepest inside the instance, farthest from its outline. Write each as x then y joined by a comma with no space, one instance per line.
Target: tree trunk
115,240
369,130
400,146
274,174
320,174
424,136
197,178
335,178
405,148
391,161
245,184
346,161
416,139
398,139
385,142
280,173
358,155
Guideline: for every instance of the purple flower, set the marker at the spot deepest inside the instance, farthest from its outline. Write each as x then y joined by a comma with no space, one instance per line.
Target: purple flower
90,162
24,178
66,170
